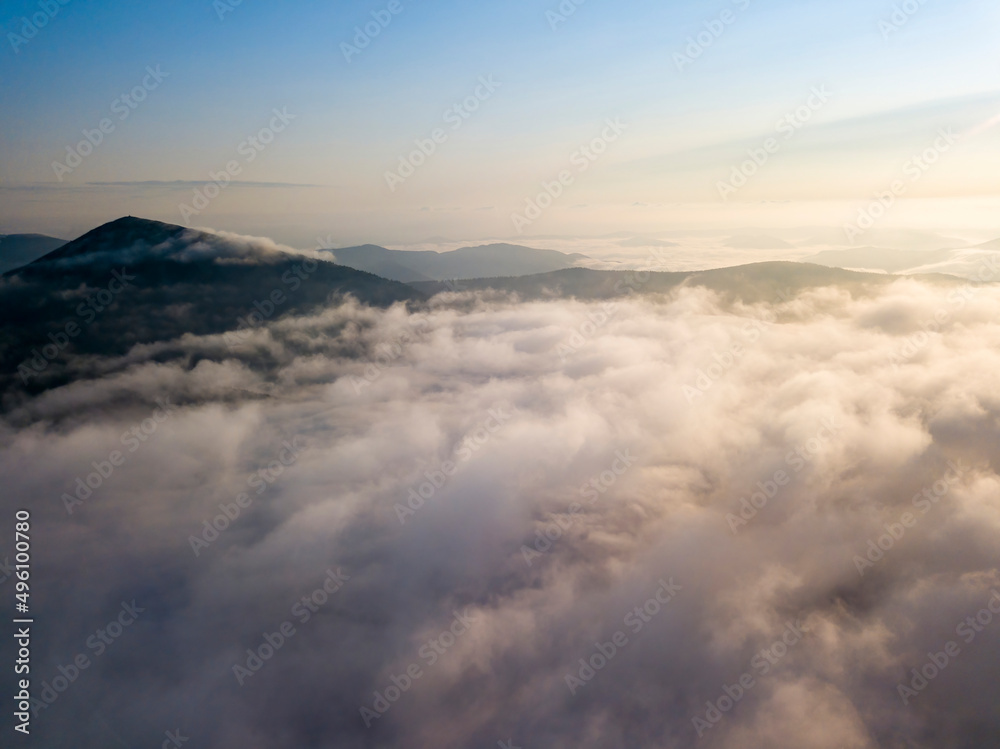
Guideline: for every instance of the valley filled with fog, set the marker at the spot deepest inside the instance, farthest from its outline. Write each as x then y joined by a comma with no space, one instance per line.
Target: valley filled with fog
727,509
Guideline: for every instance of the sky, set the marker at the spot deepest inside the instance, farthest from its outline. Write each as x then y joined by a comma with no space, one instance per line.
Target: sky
520,95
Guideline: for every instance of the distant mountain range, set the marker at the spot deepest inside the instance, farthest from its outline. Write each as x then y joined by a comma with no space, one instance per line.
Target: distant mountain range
138,282
468,262
878,258
993,244
20,249
754,283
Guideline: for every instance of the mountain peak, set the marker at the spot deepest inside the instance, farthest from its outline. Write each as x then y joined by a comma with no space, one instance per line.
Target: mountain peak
129,233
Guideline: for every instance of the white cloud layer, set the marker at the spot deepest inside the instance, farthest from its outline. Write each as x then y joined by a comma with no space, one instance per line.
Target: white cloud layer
562,482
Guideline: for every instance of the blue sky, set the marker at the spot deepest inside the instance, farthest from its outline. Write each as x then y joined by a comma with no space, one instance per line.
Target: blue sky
353,121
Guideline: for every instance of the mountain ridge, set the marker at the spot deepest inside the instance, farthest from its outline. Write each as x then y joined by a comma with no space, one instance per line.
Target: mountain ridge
478,261
751,283
20,249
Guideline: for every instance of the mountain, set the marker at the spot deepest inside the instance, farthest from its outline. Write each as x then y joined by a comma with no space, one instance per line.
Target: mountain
467,262
129,236
20,249
751,284
134,281
81,308
878,258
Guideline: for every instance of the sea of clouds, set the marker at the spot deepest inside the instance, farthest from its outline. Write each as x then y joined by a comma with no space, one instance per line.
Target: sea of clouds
664,522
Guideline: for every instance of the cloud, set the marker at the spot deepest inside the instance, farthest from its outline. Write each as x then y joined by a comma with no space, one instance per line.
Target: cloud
629,436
